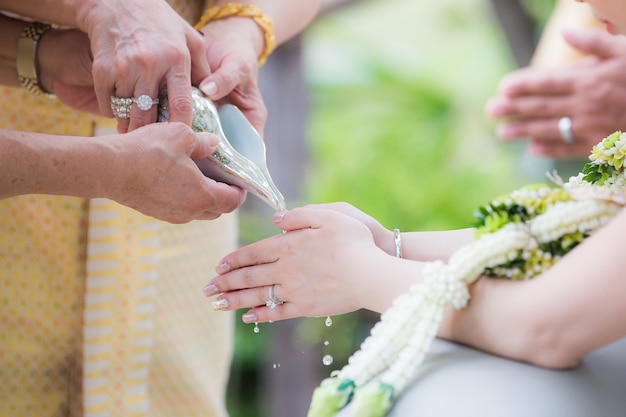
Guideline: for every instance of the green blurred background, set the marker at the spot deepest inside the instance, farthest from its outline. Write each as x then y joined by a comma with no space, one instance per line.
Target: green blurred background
395,126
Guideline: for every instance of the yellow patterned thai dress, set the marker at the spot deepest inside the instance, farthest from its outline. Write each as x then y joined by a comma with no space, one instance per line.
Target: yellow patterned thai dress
101,308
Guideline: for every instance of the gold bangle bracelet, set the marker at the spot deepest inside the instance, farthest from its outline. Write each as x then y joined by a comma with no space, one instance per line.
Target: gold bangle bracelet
239,10
26,57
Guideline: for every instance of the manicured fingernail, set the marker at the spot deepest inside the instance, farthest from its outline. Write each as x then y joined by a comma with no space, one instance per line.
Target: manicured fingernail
214,140
209,88
249,318
210,289
279,216
222,268
220,304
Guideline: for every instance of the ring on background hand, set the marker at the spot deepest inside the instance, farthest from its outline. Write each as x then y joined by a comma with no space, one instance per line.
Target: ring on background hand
272,301
565,128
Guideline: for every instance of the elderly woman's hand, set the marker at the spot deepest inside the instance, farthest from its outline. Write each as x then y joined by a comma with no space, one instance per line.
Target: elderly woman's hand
232,48
152,170
64,61
140,47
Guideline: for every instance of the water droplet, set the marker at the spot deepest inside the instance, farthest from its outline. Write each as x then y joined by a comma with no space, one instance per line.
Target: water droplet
276,365
326,343
327,360
256,327
328,322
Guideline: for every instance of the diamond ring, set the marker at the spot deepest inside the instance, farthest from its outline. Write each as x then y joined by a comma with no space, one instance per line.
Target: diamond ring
121,105
565,128
272,301
145,102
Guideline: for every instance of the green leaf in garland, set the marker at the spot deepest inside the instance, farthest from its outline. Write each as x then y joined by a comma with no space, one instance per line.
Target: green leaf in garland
331,396
372,400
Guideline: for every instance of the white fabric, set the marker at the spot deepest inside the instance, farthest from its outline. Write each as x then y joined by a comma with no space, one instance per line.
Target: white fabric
460,381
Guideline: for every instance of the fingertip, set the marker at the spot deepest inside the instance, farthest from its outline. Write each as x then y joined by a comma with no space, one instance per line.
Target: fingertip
493,108
591,41
572,34
210,289
279,216
506,131
243,193
223,267
209,89
537,149
204,146
510,84
211,139
250,317
509,88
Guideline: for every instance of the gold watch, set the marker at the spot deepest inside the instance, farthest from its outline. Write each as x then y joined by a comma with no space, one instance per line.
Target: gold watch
26,58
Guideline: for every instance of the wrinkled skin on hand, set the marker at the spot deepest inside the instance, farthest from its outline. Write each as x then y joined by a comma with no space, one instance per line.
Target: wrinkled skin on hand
141,47
232,56
154,173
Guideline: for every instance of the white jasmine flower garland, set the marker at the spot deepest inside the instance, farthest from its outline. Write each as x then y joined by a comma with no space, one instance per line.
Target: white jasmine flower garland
519,236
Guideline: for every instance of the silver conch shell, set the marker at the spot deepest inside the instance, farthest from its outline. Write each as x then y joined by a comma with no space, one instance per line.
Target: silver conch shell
240,155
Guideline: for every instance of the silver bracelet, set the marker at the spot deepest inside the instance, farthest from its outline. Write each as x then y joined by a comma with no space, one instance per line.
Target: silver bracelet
398,241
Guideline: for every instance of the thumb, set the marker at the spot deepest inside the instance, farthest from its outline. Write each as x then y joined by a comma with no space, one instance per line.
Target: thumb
224,79
593,42
205,144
